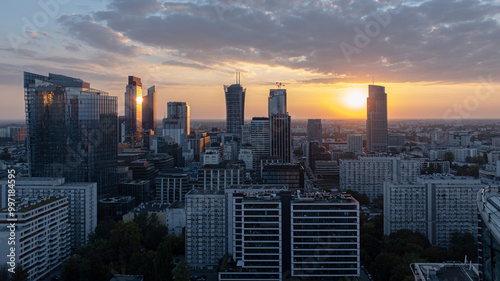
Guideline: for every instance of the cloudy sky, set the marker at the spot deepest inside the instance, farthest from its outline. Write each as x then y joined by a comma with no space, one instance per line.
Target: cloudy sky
437,59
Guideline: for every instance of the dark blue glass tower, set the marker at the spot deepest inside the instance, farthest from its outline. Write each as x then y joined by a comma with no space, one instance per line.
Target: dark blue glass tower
71,131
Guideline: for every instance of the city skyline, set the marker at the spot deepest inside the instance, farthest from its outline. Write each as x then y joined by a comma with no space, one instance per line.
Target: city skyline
418,50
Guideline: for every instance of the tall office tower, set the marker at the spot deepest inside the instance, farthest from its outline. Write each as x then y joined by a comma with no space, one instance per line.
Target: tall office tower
274,235
149,110
205,227
177,123
314,130
376,120
260,138
280,126
133,109
368,174
355,143
82,202
436,206
72,131
42,240
235,107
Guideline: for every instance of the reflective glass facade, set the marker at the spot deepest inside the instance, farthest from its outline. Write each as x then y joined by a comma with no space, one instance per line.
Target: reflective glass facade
71,131
235,108
376,122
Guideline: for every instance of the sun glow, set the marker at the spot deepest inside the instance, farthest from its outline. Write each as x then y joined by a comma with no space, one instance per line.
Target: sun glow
139,100
355,100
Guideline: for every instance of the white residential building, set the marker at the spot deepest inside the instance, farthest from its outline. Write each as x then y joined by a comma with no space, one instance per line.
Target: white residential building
212,157
355,143
246,156
368,174
82,198
435,206
205,228
42,240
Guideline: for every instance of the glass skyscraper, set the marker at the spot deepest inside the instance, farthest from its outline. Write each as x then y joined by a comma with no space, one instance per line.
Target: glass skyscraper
133,110
149,110
235,108
376,121
71,131
280,126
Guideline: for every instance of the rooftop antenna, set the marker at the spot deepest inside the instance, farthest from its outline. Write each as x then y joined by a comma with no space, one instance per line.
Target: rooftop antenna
238,77
280,85
373,80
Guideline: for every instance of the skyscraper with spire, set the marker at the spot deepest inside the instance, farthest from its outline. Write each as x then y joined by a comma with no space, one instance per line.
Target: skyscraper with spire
376,119
235,107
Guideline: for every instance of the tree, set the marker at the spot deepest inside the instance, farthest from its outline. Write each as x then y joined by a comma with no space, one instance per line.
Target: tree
125,240
448,156
163,264
485,157
361,197
461,245
20,274
4,274
181,272
439,168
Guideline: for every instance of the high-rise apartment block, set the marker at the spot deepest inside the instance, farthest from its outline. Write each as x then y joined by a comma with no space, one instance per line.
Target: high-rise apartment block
42,235
133,109
205,227
355,143
376,122
71,131
368,174
435,205
82,202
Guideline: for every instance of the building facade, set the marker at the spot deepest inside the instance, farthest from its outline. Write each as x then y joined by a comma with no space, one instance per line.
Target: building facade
82,206
71,131
435,206
275,235
133,109
376,122
235,108
314,130
205,228
42,240
150,109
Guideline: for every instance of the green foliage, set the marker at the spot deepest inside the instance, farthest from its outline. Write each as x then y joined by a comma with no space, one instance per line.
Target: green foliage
476,159
448,156
181,272
125,248
4,274
461,245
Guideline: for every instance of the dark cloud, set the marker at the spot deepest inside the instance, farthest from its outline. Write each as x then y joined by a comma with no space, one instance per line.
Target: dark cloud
84,28
417,41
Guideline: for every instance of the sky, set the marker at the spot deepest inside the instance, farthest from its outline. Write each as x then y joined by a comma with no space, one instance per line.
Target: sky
437,59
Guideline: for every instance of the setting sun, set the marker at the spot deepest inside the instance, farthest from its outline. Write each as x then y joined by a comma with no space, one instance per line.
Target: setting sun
139,100
355,100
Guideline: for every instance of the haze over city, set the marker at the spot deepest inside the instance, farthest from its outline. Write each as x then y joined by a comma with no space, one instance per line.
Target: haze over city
437,59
